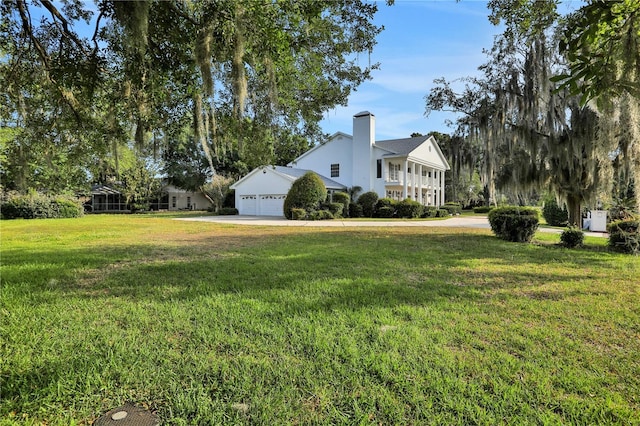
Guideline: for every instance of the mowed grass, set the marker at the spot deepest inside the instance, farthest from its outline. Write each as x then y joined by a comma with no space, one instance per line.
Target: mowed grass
219,324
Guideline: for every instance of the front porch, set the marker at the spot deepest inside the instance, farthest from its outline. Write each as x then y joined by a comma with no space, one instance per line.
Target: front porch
409,179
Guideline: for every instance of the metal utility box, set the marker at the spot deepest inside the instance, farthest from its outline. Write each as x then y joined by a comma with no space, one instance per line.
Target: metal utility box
598,221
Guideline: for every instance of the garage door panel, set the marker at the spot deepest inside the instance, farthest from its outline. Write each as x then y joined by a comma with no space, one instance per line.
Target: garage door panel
248,204
272,205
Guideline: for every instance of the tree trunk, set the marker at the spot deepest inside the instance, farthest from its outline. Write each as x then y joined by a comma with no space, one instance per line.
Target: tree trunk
575,214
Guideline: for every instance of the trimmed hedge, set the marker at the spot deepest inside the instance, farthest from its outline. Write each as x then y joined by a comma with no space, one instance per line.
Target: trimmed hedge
40,206
334,208
355,210
624,235
442,213
513,223
452,208
482,209
409,208
306,192
553,214
385,212
344,199
368,202
228,211
430,211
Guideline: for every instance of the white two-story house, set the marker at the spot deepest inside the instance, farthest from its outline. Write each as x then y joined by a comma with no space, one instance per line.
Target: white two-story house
398,169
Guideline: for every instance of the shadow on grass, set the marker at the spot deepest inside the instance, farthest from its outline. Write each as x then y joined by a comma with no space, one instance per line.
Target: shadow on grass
306,270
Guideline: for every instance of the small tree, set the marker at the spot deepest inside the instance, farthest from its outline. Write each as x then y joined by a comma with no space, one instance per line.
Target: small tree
368,202
216,190
307,193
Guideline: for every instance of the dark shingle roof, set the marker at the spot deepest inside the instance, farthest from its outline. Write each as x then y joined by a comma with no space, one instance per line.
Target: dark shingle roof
402,146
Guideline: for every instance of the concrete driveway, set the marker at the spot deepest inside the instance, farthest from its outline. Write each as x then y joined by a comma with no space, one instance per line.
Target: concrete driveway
453,222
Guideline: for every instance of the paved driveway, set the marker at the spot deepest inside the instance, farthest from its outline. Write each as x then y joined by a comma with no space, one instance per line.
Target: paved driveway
453,222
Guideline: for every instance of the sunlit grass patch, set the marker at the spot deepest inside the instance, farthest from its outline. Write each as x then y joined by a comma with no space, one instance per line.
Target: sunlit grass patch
218,324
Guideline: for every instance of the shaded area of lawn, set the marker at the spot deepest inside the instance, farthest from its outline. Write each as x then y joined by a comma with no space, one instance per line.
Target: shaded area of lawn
392,326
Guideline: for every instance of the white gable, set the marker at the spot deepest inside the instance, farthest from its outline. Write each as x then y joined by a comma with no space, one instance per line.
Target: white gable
430,154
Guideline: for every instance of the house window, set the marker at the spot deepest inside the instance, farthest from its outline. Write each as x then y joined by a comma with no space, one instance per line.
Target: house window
335,170
173,202
379,169
188,202
394,172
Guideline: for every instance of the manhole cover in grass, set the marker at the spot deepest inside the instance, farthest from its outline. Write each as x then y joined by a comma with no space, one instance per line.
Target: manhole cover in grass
128,415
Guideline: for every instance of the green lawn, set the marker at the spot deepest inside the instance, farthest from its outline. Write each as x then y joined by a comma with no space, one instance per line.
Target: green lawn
220,324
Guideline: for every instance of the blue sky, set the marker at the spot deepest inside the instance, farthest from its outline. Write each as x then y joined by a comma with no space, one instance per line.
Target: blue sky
422,40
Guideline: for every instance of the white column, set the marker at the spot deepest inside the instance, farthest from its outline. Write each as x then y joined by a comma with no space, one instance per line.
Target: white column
432,196
420,198
406,176
442,186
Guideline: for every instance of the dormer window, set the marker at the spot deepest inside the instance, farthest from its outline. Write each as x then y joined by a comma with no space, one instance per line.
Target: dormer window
335,170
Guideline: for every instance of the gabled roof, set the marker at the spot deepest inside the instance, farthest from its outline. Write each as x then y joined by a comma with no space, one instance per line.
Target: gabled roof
401,146
291,174
404,147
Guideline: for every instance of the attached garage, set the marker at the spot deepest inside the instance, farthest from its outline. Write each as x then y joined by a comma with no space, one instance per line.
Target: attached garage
263,191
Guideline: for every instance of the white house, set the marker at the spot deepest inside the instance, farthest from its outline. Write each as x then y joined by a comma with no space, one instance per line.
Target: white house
181,199
262,192
398,169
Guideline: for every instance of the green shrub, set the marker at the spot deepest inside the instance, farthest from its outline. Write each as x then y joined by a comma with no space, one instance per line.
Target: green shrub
452,208
355,210
320,215
307,192
66,207
512,223
228,211
39,206
368,202
385,212
298,214
229,199
409,208
553,214
482,209
334,208
429,211
344,199
572,237
624,235
442,213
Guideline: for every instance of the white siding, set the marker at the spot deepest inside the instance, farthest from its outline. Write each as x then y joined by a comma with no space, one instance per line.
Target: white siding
262,193
337,150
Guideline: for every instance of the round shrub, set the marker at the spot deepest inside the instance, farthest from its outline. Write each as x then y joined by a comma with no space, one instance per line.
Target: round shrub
553,214
442,213
344,199
307,192
624,235
512,223
572,237
409,209
368,202
429,211
355,210
385,207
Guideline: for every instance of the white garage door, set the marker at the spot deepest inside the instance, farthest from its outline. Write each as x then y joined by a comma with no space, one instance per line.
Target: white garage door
272,205
247,205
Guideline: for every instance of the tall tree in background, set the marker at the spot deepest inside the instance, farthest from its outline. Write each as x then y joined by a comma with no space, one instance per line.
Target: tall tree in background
243,73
